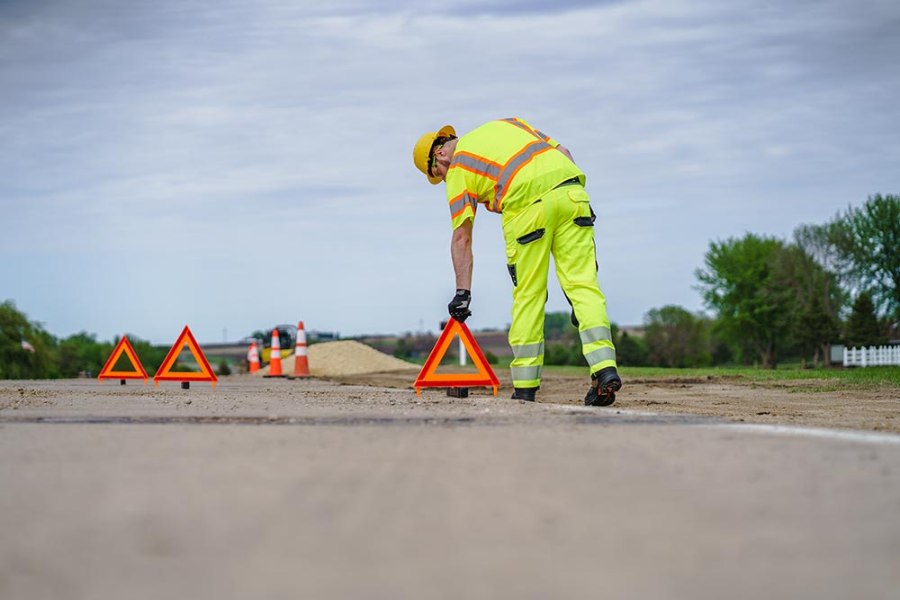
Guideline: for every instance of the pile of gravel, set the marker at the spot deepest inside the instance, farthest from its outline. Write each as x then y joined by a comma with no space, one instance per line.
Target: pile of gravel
334,359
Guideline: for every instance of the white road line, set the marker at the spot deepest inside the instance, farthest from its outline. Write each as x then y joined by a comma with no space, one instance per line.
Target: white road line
593,410
868,437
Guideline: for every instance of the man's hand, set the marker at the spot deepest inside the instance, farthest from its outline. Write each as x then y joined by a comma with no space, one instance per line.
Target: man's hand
459,306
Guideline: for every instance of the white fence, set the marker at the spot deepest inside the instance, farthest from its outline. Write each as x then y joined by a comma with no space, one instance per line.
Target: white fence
872,356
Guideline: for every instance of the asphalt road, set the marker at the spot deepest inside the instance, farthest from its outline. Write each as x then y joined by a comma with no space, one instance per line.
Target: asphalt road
305,489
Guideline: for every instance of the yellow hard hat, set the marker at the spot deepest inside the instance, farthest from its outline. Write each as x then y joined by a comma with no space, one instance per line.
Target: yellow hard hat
423,149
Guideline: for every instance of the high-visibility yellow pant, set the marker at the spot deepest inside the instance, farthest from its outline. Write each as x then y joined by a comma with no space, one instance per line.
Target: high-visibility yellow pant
561,224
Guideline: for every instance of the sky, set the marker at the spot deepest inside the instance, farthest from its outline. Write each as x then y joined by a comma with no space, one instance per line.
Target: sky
236,165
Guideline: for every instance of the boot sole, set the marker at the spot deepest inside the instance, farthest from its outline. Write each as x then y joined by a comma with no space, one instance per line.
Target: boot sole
608,396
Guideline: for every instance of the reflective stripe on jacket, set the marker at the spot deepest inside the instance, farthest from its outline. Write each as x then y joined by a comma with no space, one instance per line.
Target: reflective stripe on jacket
505,165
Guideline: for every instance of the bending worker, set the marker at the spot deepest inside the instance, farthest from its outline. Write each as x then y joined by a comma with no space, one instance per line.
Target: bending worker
532,181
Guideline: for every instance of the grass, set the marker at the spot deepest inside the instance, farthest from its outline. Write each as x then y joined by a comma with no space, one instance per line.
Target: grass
835,378
832,379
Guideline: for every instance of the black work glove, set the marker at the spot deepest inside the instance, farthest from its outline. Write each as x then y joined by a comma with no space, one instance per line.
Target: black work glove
459,306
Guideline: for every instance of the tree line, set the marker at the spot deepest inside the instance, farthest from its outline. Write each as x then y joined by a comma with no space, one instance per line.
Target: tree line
771,300
28,351
774,300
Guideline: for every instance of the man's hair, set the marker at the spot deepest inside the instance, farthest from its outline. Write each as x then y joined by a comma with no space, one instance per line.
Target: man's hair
438,142
441,140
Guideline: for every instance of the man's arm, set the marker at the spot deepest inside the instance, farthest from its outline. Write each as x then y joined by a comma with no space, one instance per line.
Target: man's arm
461,254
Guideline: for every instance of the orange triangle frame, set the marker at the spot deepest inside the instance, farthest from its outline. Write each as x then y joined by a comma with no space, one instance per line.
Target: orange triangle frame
124,346
428,377
185,339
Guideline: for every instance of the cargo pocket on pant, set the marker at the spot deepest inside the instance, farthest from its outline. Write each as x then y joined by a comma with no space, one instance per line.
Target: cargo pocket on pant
531,222
582,213
512,274
522,240
531,237
587,221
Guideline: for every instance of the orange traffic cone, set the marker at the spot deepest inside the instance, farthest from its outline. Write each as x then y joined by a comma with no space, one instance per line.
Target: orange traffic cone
301,359
275,357
253,358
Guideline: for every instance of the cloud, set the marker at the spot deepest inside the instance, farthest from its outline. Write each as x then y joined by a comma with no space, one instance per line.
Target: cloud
219,147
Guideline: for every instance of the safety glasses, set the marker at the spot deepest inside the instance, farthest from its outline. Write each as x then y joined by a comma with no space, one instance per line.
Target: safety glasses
432,158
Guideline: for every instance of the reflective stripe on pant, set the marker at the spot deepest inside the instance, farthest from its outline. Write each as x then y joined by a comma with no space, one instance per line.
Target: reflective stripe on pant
559,224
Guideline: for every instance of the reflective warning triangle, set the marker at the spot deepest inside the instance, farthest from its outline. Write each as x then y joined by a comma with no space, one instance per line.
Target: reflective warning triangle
428,376
123,347
185,339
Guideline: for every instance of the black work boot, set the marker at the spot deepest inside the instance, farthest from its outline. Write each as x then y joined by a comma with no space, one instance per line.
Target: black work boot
524,394
604,385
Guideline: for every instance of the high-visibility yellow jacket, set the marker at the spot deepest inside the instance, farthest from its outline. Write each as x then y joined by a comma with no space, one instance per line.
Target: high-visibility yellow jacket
505,165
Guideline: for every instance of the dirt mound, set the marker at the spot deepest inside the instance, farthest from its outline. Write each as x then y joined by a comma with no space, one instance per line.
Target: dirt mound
334,359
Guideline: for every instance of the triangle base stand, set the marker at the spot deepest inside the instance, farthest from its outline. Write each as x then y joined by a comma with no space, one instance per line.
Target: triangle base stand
429,377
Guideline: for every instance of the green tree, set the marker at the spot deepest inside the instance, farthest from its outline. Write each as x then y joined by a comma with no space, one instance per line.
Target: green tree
562,344
151,356
82,352
863,328
722,352
631,351
401,350
565,351
26,350
557,354
812,297
866,242
557,325
816,241
738,283
676,338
